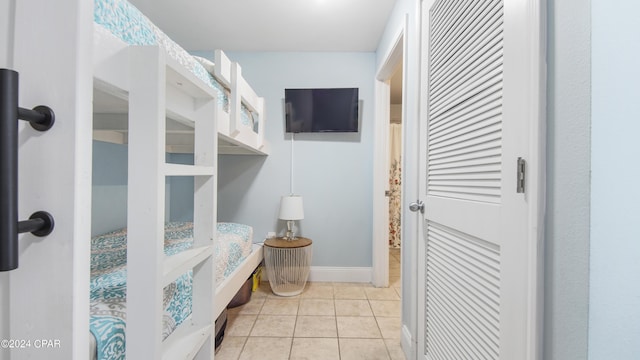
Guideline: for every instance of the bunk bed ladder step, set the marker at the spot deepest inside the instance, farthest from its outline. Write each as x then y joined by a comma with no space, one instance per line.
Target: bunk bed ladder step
151,76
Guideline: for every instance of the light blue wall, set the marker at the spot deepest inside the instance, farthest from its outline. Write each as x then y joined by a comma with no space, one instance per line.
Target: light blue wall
333,172
109,192
180,193
614,312
566,281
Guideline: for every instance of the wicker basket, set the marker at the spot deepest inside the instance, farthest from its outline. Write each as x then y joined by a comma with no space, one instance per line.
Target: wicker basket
287,268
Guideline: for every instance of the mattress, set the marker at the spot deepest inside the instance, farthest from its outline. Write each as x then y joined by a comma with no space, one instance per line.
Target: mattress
108,280
127,23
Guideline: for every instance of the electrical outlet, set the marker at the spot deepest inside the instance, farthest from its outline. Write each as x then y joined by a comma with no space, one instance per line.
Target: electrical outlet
271,234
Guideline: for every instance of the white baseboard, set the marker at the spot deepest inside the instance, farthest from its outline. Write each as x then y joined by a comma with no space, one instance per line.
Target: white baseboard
407,343
341,274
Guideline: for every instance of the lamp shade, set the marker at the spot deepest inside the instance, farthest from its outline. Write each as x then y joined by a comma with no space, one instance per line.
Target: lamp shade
291,208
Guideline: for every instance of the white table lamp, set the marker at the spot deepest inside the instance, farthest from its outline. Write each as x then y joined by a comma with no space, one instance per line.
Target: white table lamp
291,209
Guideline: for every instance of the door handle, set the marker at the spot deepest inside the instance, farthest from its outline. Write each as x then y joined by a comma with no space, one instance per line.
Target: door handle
417,206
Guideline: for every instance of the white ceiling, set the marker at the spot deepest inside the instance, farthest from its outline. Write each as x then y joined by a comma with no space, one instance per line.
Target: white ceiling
271,25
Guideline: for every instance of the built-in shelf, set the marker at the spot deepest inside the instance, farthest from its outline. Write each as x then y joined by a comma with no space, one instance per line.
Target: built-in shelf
188,170
184,261
185,342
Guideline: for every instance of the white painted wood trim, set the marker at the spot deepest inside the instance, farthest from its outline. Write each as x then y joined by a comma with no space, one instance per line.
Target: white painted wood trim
408,344
185,341
227,289
537,186
222,68
146,202
380,246
392,56
205,197
148,268
235,101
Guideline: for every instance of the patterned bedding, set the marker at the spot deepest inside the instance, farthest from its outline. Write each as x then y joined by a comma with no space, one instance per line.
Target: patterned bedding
127,23
109,275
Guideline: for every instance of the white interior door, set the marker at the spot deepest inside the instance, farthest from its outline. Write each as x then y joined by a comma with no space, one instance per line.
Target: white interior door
481,110
44,308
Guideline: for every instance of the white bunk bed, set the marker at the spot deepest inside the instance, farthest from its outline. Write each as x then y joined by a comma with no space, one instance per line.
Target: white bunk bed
150,97
240,113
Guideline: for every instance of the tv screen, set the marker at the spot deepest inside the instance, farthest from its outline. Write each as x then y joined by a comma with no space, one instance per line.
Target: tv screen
321,110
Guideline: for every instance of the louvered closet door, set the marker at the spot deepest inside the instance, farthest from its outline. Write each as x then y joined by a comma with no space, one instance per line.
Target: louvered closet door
480,108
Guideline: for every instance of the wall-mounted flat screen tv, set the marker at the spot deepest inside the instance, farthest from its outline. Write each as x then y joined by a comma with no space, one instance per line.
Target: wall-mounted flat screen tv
321,110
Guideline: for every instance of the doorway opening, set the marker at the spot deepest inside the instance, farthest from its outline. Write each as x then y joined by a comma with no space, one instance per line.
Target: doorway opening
394,193
387,182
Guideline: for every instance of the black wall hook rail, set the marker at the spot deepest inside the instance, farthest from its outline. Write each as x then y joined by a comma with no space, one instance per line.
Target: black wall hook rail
41,118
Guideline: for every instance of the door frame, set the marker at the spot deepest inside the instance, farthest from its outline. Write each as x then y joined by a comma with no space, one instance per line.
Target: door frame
380,248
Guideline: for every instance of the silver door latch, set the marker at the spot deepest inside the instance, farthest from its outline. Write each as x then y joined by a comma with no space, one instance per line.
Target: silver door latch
417,206
520,176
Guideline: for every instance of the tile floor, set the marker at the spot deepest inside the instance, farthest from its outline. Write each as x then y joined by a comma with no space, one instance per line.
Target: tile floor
342,321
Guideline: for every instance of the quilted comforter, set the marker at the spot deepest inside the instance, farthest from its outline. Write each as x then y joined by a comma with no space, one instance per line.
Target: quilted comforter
109,280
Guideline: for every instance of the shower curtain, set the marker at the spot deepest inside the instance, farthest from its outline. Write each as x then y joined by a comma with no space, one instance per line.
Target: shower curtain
395,182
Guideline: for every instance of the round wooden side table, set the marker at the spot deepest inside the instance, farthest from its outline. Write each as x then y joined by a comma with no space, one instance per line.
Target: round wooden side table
287,263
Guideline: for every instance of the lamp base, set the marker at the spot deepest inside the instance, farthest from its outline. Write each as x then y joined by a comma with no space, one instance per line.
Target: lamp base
290,235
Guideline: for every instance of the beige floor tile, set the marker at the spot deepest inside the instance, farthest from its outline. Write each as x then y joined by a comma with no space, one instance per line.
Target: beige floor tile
315,349
266,348
394,281
349,292
381,294
262,291
230,348
357,327
316,326
239,325
274,325
363,349
253,307
353,308
395,349
385,307
318,291
389,327
316,307
283,306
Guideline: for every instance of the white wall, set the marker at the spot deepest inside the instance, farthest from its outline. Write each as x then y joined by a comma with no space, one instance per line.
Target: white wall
6,61
333,172
614,302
